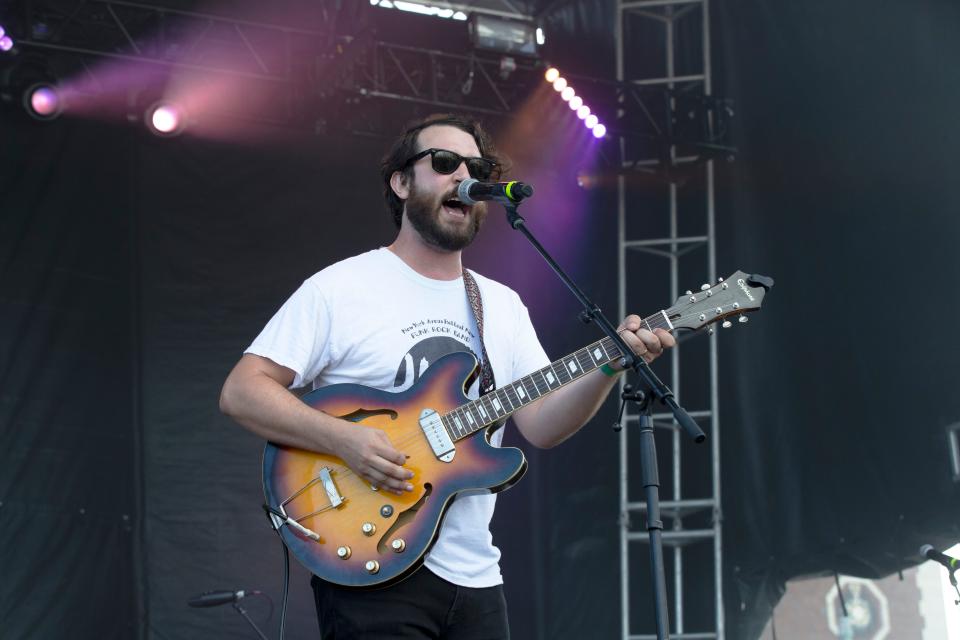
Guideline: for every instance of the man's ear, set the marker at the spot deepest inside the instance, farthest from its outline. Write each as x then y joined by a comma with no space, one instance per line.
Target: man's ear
400,185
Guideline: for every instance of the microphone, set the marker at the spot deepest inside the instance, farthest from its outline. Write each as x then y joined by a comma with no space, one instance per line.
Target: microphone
928,552
472,191
217,598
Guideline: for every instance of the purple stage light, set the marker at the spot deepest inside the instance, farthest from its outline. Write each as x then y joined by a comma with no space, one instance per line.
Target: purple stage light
583,112
3,31
567,94
591,121
559,84
164,119
6,43
43,102
599,131
575,103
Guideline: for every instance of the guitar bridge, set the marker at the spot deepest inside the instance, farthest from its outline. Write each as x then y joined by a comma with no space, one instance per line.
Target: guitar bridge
333,495
437,435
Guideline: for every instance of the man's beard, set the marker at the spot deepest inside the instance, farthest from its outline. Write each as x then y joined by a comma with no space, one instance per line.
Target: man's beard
424,212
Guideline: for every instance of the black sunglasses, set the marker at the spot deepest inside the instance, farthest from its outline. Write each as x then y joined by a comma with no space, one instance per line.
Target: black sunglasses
446,162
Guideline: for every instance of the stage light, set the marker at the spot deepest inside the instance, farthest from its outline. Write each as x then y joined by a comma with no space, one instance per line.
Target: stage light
591,121
559,85
552,74
575,103
3,31
583,112
567,94
599,131
541,37
42,101
504,35
164,119
6,43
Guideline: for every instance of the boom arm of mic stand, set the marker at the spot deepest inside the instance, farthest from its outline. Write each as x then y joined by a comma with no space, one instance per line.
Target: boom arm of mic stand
592,312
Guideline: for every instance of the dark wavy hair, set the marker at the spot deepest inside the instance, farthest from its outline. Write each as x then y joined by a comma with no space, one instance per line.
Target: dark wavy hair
406,146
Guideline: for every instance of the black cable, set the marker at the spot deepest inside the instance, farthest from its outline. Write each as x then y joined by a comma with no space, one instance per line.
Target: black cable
843,603
286,587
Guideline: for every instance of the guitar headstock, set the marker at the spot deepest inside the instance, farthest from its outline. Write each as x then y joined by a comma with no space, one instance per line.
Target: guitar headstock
735,296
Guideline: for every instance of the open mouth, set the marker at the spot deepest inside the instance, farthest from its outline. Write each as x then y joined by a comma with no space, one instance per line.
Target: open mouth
454,207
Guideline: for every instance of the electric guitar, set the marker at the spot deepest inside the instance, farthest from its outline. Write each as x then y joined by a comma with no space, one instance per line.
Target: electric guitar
350,533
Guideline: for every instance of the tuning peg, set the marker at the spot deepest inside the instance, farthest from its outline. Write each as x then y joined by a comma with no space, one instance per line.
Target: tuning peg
719,280
726,324
688,292
743,319
704,287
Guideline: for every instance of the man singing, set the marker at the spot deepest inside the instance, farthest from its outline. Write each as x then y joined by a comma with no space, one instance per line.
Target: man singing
380,319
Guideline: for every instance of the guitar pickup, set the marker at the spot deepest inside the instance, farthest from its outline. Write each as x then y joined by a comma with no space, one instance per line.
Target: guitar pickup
330,487
437,435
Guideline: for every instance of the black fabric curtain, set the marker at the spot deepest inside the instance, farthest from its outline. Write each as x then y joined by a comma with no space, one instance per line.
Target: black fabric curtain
835,453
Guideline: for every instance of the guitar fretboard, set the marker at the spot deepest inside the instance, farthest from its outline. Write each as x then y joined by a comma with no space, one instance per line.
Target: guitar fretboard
500,403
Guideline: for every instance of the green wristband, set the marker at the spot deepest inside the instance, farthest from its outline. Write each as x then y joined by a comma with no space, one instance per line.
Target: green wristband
610,371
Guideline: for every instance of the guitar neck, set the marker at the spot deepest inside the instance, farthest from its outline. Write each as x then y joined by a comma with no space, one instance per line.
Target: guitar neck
500,403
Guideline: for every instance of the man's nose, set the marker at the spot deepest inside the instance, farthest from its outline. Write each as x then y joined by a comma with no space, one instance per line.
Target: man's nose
461,173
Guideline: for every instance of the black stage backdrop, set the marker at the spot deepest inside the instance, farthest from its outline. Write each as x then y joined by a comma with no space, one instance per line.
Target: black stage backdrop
134,270
837,398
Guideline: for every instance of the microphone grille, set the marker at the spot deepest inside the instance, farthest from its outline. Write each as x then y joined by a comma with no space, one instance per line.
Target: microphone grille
463,191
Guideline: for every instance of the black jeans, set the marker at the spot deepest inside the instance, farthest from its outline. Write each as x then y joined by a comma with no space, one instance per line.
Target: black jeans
421,607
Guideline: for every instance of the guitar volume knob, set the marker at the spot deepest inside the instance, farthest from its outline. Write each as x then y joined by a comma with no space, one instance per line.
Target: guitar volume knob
398,545
343,552
372,566
368,528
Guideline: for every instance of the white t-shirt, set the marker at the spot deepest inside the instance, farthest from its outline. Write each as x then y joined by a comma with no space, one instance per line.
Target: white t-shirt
372,320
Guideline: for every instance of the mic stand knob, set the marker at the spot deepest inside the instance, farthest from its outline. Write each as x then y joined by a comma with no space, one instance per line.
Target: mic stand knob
629,394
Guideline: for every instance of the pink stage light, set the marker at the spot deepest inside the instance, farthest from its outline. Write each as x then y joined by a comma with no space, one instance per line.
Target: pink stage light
6,43
559,84
164,119
2,31
599,131
583,112
575,103
591,121
567,94
43,102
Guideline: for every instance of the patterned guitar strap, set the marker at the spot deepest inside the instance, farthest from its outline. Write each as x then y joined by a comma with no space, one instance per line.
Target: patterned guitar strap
487,381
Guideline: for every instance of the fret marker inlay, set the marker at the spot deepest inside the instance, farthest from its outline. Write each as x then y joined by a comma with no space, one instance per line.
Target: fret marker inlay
572,366
550,378
497,405
520,393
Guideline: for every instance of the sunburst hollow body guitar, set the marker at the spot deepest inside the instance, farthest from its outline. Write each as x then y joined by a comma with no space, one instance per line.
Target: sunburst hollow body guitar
353,534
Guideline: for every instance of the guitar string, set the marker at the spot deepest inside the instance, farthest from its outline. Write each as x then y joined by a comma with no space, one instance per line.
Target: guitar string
418,437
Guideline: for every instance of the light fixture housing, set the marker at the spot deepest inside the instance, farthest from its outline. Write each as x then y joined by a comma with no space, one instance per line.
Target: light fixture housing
503,35
165,119
42,101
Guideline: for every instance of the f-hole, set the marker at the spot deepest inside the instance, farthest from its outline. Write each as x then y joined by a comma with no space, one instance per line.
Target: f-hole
405,517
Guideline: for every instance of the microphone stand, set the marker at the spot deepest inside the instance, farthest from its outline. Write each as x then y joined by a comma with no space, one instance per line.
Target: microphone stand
243,612
648,452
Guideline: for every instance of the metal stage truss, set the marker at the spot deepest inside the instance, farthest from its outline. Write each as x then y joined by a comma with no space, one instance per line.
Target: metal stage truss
682,68
337,71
